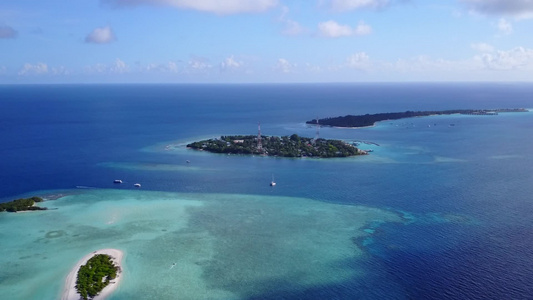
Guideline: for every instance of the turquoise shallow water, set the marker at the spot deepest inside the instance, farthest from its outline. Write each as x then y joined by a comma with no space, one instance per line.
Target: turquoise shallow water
188,246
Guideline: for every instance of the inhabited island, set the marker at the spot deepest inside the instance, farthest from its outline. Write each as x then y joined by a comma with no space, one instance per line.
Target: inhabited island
22,204
371,119
285,146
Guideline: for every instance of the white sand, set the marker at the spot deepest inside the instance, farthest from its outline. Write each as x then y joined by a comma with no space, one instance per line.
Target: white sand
70,292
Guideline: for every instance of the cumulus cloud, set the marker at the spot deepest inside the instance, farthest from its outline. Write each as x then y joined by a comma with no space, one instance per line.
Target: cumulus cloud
359,60
517,8
312,68
516,60
519,58
7,32
198,64
505,27
284,66
332,29
290,27
96,68
487,63
169,67
423,63
101,35
118,67
212,6
36,69
61,70
230,64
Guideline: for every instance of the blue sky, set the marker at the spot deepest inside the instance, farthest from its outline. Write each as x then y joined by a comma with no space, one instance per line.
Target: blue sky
234,41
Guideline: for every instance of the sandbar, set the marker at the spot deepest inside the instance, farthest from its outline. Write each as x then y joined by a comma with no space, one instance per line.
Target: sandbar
70,292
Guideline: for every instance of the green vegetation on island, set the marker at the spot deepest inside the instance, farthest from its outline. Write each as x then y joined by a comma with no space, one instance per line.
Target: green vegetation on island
371,119
95,275
22,204
285,146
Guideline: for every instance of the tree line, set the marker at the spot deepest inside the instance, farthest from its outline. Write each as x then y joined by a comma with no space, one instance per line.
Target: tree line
371,119
95,275
22,204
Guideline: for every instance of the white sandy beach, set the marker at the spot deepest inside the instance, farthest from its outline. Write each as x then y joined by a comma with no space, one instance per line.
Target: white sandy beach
69,291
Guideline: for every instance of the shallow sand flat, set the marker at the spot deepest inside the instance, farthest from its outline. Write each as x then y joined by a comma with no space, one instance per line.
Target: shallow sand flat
194,246
70,293
256,247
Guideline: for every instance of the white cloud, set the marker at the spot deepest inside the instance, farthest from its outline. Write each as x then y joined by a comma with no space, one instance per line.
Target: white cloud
359,60
290,27
284,66
199,64
230,64
37,69
519,58
169,67
7,32
505,27
333,29
96,68
101,35
423,63
482,47
489,63
345,5
212,6
60,71
119,67
516,8
312,68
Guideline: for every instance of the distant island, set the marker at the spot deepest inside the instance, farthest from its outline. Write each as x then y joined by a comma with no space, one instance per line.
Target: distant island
22,204
371,119
285,146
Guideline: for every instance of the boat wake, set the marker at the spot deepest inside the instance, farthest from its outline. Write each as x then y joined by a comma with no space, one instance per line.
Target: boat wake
85,187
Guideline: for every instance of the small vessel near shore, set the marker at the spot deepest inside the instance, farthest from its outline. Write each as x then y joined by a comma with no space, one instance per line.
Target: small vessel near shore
137,185
272,183
117,181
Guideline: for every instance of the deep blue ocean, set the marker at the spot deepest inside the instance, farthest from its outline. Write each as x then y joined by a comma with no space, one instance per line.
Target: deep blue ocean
462,184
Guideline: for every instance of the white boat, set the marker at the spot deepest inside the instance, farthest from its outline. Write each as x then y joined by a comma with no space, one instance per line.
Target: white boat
137,185
117,181
272,183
